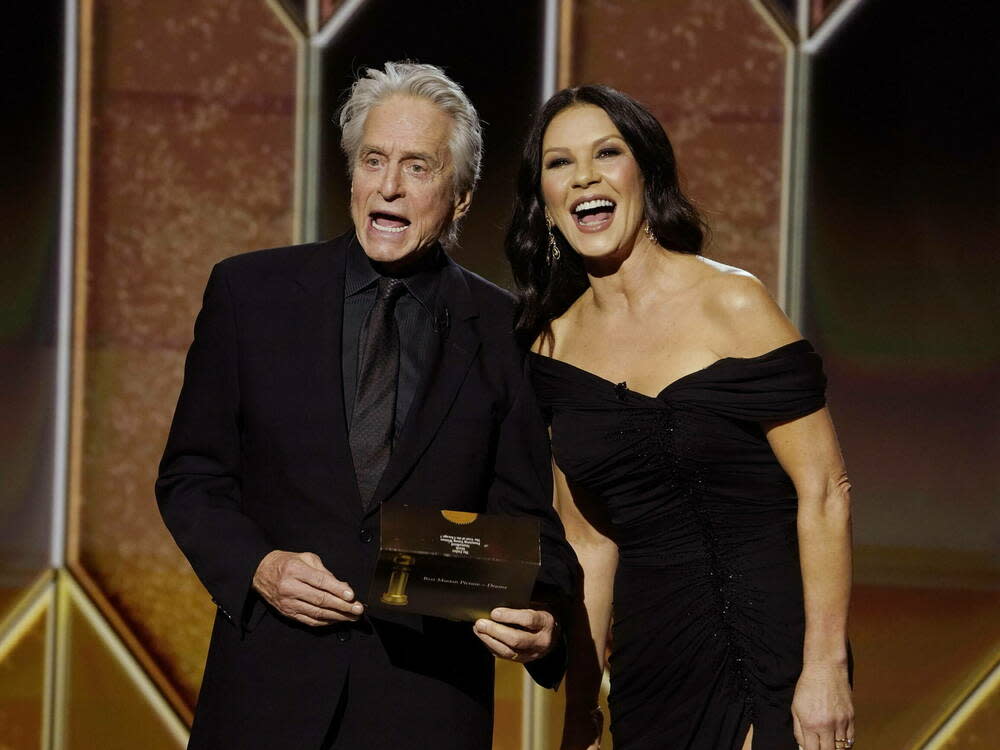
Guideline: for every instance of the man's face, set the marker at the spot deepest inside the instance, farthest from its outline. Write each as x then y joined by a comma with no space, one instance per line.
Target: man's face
402,189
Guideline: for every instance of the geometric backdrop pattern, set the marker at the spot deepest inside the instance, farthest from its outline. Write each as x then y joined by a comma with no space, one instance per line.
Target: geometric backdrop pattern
188,148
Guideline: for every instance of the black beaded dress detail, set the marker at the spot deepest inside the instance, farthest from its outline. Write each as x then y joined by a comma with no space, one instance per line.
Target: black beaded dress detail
708,614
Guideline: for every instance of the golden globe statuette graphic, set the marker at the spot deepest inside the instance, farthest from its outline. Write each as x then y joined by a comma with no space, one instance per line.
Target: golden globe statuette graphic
454,564
396,593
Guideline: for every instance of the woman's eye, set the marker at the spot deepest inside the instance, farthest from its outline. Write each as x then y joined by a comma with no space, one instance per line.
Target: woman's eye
557,163
605,152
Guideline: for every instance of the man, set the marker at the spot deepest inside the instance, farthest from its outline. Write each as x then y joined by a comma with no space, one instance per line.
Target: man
323,381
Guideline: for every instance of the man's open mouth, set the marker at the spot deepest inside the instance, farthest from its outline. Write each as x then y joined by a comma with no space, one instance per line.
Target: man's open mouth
593,213
386,222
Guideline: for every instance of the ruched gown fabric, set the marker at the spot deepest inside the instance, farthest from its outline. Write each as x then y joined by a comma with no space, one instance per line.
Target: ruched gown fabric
708,616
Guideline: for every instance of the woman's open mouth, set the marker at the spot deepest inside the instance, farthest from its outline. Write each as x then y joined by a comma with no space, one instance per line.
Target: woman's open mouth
593,215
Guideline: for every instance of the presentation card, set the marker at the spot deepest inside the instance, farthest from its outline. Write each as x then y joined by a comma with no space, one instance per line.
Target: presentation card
453,564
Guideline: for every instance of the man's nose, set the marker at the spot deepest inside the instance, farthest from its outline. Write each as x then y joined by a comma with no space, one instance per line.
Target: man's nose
391,186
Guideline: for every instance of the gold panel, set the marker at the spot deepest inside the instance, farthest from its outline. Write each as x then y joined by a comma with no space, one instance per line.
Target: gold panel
187,155
508,698
917,653
23,678
9,596
96,674
981,729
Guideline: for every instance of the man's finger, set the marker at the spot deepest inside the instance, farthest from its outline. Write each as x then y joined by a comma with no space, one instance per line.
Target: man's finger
312,560
324,615
529,619
499,649
321,578
514,638
328,601
294,595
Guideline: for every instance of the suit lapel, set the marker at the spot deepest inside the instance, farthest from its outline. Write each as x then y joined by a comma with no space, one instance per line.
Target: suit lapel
322,281
457,346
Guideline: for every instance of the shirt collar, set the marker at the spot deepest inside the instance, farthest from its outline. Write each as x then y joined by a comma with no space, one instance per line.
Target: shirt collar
421,282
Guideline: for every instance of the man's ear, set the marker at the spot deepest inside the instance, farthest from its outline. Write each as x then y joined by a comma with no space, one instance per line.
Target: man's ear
462,205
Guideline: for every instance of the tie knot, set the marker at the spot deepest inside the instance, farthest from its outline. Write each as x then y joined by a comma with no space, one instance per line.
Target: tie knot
390,289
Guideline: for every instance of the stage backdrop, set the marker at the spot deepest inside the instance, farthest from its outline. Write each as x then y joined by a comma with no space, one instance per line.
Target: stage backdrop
832,154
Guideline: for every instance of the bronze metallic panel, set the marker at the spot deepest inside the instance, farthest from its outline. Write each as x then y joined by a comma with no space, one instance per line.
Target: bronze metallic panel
22,682
981,729
508,697
191,157
95,679
917,653
714,75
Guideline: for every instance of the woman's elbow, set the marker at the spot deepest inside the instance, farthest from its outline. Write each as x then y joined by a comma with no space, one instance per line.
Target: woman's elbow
828,498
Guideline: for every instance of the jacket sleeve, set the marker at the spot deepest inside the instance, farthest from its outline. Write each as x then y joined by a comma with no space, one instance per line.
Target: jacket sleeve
522,485
198,487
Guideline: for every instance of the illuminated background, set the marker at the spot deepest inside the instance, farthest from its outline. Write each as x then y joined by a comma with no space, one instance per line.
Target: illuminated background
842,151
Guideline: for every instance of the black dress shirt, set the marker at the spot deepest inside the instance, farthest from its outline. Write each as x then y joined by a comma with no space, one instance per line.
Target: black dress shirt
415,318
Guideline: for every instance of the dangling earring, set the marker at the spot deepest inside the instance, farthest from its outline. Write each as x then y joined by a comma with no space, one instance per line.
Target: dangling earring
553,247
648,231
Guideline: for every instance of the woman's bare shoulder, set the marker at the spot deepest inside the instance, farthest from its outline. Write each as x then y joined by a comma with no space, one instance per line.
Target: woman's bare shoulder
558,330
745,316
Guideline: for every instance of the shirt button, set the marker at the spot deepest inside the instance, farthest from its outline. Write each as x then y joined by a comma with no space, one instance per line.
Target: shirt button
366,536
343,636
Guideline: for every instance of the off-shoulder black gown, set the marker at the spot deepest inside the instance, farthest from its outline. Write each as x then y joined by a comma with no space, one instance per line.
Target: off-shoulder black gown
708,614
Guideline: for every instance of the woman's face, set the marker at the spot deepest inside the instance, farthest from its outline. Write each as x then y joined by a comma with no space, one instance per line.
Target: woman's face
591,183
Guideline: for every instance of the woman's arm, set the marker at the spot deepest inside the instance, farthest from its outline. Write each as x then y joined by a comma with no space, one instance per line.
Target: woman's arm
586,529
807,449
746,323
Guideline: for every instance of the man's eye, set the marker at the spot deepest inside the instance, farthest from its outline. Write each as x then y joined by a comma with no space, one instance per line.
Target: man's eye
418,168
559,162
372,161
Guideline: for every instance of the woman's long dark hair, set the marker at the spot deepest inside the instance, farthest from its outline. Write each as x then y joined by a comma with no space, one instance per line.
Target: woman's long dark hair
546,288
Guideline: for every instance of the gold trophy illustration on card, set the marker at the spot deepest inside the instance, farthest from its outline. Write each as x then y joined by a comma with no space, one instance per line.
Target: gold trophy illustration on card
395,594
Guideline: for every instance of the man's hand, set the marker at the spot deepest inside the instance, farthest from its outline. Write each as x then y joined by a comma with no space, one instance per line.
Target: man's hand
297,585
520,635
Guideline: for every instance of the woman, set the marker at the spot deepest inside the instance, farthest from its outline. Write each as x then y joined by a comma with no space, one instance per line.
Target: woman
697,470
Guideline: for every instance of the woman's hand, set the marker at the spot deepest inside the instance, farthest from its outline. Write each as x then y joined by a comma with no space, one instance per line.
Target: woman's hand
822,709
582,730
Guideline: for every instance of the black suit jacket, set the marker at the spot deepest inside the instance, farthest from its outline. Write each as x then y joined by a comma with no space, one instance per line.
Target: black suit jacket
258,459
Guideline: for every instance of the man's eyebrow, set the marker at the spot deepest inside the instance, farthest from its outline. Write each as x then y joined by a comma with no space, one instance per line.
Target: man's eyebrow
371,149
419,155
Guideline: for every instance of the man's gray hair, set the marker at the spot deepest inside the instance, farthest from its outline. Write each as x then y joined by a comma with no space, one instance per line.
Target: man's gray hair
427,82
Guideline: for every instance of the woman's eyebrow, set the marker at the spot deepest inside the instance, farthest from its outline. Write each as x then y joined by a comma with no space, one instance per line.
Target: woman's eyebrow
597,142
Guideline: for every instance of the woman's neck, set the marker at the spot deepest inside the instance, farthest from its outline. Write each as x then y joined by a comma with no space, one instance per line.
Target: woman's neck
626,283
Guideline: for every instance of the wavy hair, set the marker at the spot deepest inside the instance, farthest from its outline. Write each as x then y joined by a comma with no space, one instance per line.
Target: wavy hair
545,289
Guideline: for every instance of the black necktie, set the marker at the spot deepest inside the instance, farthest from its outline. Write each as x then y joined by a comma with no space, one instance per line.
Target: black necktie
375,403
